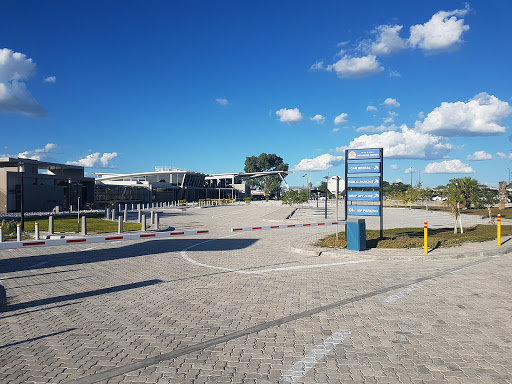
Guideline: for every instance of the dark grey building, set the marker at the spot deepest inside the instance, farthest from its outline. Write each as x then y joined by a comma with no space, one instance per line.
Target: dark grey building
45,185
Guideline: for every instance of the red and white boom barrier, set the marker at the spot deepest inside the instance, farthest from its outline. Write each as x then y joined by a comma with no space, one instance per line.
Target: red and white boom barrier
287,226
97,239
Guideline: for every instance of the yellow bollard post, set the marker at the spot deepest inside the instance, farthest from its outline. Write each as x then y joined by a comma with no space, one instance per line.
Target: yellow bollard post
499,230
425,237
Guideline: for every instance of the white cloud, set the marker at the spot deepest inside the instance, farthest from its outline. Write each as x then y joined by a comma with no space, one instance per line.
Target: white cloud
290,116
394,166
391,117
421,115
318,66
15,66
502,155
95,160
442,32
480,155
14,96
40,154
407,144
50,79
356,67
380,128
480,115
394,74
222,101
388,40
371,108
391,103
319,119
320,163
448,166
335,129
409,170
398,181
340,119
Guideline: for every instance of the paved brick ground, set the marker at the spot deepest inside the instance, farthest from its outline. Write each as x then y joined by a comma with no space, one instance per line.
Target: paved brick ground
245,308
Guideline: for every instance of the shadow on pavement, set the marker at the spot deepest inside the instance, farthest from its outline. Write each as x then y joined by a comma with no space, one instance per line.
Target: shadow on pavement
131,249
40,309
37,338
79,295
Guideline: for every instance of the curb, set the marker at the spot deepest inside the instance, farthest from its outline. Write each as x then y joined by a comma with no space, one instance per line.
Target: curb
402,254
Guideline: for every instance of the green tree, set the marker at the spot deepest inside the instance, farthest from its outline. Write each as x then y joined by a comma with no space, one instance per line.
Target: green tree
488,199
292,197
426,194
410,196
323,187
454,194
394,190
262,163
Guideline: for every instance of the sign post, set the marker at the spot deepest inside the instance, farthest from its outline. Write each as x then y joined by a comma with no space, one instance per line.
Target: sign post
366,187
337,193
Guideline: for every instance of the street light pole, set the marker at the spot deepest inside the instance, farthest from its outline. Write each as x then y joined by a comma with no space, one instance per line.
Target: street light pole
326,194
21,169
69,195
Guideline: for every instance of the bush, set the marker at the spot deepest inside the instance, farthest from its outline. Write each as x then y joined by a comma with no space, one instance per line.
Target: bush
9,227
248,199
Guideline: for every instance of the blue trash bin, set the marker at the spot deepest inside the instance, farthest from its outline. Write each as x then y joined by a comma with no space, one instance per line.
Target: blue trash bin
356,234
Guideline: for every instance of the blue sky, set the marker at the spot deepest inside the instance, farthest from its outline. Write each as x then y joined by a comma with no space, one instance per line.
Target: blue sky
125,86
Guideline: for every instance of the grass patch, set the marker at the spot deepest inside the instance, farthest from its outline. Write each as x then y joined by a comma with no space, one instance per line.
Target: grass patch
413,237
95,224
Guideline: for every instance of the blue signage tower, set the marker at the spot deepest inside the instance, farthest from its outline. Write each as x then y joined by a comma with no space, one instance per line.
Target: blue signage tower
364,178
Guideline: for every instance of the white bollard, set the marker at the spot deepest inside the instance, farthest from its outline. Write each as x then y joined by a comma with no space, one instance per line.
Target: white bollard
84,225
143,223
157,221
152,220
1,234
18,232
36,225
125,216
107,213
51,227
120,225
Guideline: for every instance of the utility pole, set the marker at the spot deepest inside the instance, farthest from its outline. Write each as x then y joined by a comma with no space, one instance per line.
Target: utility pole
21,169
326,194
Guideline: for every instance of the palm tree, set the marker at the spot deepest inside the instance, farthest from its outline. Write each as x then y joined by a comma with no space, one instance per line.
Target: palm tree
469,190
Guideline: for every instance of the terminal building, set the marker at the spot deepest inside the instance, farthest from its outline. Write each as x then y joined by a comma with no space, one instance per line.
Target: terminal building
169,184
42,185
46,186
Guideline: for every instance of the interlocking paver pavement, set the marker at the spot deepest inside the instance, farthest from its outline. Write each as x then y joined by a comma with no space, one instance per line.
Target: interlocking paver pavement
244,307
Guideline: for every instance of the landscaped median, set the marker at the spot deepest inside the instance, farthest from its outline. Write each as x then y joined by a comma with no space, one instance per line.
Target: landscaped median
407,238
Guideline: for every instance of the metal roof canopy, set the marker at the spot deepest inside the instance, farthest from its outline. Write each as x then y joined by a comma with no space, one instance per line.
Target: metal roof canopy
14,161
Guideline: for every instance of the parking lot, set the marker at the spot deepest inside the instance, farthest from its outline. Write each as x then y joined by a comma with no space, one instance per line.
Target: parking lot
244,307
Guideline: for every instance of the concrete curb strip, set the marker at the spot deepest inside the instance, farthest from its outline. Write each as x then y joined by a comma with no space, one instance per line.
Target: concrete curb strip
306,247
